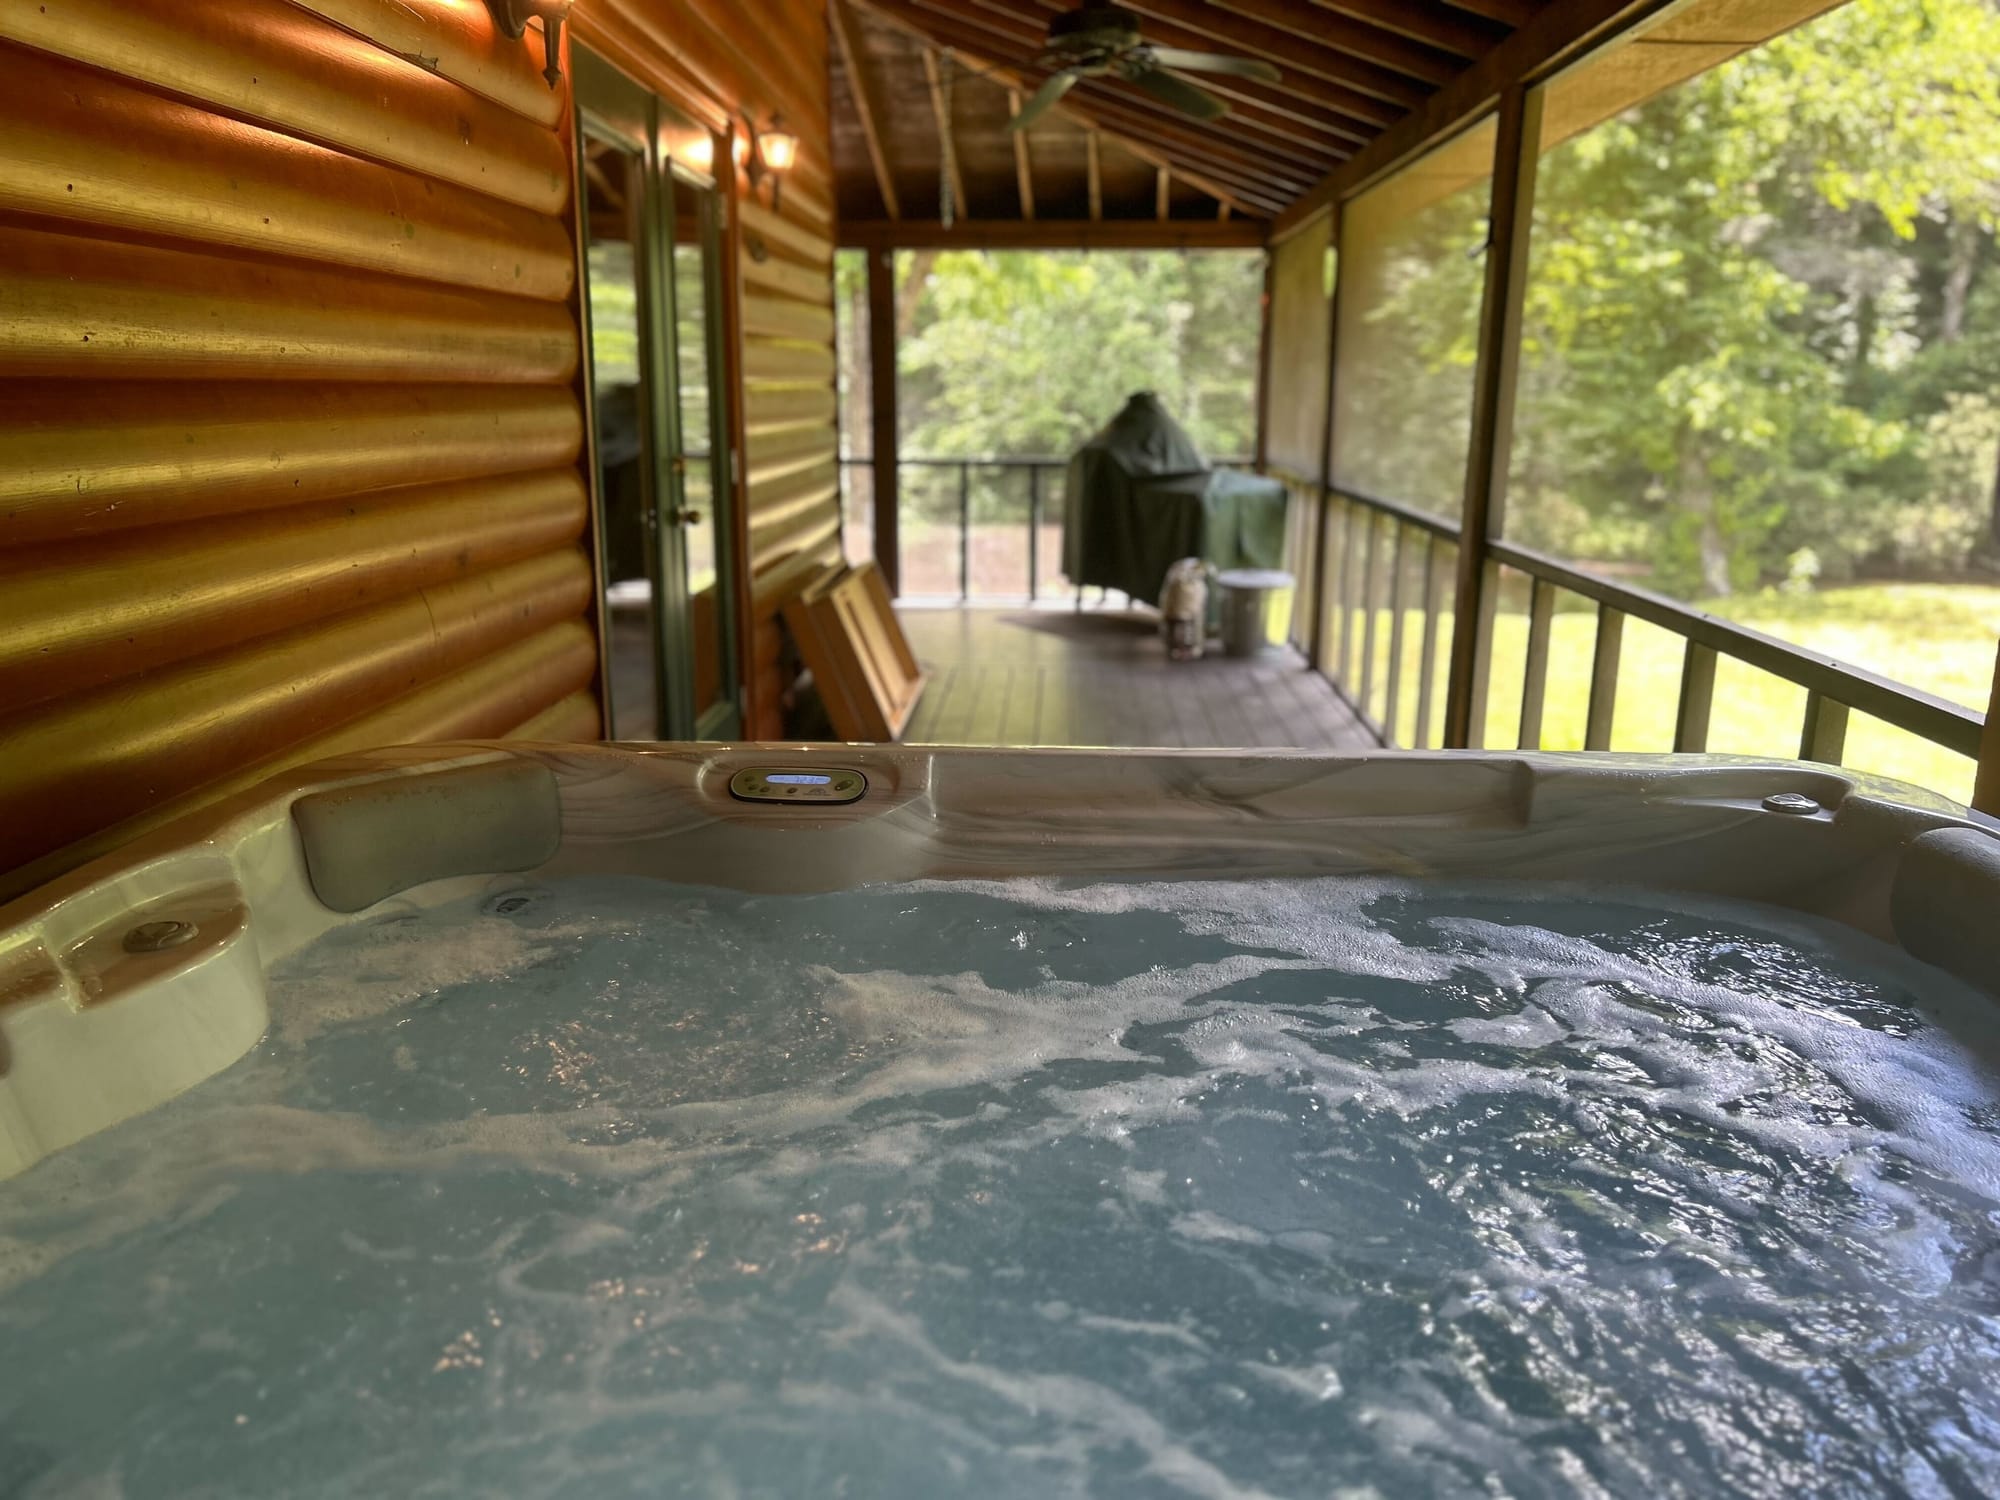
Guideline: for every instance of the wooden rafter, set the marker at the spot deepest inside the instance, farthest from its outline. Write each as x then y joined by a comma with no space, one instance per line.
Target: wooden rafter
1507,12
1442,26
1333,107
1162,194
1361,39
1249,171
1096,169
866,103
947,149
1254,200
1024,170
1218,30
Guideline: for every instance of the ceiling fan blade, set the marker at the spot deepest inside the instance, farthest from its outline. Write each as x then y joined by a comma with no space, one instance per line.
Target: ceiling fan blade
1045,99
1179,93
1215,62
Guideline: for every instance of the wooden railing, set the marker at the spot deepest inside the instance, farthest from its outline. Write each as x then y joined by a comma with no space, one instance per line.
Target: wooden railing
1375,557
1044,501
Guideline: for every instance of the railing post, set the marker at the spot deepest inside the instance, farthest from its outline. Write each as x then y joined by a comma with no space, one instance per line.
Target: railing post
1986,780
1824,735
1604,678
1427,665
1515,151
964,532
1034,531
882,399
1535,680
1697,699
1393,701
1367,691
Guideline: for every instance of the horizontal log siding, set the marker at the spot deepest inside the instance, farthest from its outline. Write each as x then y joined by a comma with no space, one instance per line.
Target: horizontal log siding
289,442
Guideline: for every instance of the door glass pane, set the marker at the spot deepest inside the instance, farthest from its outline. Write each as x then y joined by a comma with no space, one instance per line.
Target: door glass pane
618,388
692,335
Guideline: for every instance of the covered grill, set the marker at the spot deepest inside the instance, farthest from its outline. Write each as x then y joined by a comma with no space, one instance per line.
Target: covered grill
1139,497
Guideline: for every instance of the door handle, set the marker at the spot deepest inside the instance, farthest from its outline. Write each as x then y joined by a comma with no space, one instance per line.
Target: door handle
686,517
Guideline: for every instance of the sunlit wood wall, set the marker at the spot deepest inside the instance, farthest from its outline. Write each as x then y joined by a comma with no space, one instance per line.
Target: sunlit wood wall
723,60
289,449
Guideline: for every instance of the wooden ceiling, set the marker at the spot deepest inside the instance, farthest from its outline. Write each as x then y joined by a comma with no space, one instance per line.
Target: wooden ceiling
923,91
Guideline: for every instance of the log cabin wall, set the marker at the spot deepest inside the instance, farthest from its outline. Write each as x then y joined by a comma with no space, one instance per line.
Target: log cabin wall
720,61
289,443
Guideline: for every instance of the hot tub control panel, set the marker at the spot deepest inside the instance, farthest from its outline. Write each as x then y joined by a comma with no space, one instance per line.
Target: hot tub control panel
797,784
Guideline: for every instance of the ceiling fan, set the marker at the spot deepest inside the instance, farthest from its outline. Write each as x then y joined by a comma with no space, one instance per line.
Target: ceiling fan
1096,40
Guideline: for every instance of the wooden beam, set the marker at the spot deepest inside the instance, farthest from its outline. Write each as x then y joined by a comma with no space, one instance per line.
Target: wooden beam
1222,213
882,399
1308,23
1162,194
1096,171
1515,156
1254,201
866,103
1054,234
1439,25
1557,33
1024,170
947,150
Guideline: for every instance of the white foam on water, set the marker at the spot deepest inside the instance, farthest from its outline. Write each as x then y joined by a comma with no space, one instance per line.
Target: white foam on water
1396,1189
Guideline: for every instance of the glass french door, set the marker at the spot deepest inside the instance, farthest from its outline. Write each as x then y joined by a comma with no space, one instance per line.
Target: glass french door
651,227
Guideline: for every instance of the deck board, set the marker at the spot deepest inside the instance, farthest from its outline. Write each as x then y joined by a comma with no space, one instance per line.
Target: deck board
1020,677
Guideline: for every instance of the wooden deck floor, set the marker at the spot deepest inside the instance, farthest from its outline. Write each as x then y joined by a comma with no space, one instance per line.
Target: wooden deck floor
1001,677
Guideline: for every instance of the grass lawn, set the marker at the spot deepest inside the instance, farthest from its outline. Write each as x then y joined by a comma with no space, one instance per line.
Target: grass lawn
1939,637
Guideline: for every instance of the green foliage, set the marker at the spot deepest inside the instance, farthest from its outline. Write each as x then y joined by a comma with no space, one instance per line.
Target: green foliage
1760,307
1029,352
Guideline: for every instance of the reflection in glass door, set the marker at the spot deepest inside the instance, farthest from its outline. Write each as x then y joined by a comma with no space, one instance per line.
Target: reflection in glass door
696,288
651,235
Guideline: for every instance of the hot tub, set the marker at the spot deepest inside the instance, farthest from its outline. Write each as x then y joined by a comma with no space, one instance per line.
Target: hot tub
811,1120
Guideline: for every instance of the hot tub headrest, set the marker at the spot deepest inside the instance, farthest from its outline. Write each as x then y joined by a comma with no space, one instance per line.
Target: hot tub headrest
371,840
1945,901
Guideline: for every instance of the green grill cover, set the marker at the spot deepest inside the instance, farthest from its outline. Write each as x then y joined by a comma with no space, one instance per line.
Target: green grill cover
1139,497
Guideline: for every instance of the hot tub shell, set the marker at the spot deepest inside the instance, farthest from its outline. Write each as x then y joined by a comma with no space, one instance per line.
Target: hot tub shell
139,975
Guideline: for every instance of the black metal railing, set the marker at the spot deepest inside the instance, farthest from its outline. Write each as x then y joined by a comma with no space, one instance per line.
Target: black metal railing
969,483
1377,558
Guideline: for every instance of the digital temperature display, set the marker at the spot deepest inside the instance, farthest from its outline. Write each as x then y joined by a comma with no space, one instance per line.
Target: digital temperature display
786,778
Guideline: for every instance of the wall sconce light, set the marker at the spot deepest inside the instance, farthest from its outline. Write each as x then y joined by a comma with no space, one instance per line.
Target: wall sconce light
770,152
512,17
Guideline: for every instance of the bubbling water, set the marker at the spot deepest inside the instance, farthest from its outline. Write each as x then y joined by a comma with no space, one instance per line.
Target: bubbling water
1325,1187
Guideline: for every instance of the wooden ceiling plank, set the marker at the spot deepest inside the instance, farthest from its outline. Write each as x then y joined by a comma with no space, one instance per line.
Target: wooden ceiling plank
948,152
1217,30
1440,25
1258,200
1139,117
867,103
1095,168
1329,110
1024,168
1343,33
1363,106
1515,13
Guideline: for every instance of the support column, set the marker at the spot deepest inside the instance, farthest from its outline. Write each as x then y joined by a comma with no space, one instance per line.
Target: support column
882,396
1514,159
